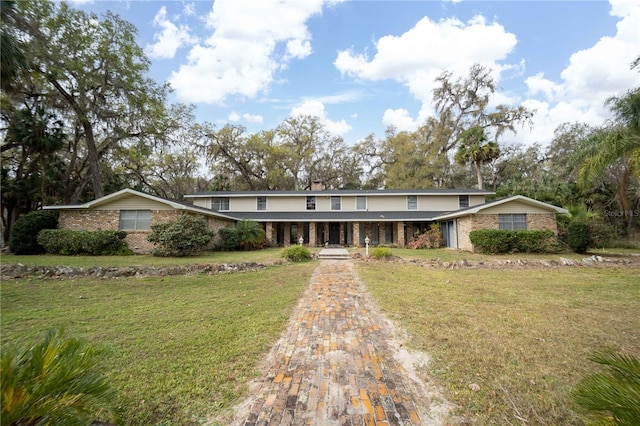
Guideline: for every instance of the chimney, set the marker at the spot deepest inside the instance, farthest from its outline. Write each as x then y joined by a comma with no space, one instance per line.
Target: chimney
317,185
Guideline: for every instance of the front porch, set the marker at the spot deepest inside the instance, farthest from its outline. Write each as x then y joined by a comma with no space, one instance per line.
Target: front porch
317,234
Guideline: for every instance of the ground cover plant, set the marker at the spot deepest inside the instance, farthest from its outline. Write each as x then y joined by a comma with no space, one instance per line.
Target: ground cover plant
523,336
177,349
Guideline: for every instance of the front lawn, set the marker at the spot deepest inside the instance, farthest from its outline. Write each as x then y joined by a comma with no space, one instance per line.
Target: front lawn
523,336
179,349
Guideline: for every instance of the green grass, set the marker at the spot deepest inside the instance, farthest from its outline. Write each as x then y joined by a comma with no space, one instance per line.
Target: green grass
523,336
179,349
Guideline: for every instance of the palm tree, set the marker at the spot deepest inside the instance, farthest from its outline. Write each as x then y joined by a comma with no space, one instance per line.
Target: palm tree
250,234
617,143
475,149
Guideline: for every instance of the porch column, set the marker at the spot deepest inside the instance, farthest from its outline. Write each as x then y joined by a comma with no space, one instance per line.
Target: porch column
300,232
326,232
287,234
269,231
400,234
356,234
312,234
342,237
381,233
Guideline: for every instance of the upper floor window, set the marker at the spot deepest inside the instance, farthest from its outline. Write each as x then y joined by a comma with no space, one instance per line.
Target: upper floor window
336,203
135,219
412,202
311,203
261,203
463,201
221,203
361,202
512,222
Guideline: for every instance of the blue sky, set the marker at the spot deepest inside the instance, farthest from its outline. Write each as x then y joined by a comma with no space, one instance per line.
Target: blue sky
364,65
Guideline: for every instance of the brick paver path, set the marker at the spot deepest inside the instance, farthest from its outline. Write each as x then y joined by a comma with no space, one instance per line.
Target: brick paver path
335,365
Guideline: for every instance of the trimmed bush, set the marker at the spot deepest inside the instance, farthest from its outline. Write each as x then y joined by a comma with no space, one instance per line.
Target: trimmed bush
183,237
611,396
496,241
228,239
23,238
56,382
91,243
297,254
579,236
381,252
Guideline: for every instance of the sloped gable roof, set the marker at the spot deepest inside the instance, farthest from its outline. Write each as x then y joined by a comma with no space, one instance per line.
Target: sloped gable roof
478,208
127,192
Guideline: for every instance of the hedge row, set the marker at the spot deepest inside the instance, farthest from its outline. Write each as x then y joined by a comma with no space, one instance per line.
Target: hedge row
92,243
494,241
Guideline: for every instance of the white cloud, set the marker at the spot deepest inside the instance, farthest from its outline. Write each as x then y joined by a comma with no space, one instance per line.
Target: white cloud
241,56
399,119
316,108
170,39
234,117
253,118
418,56
592,76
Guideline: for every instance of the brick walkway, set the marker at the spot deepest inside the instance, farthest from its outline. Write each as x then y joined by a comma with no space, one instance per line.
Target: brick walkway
336,365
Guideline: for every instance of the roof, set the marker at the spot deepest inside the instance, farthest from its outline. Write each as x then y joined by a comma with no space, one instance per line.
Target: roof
479,207
341,192
124,193
339,216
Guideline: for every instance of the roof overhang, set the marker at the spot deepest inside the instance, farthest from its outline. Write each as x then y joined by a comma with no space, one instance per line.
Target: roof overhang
125,193
521,198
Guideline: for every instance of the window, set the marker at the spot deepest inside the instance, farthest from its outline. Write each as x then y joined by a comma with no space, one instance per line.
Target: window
336,203
412,202
463,201
135,219
220,203
262,203
311,203
512,222
361,203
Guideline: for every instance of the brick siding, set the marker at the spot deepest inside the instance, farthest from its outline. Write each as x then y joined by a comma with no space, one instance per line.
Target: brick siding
96,220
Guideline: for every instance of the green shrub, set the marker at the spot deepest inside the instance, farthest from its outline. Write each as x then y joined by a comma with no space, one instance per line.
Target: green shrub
91,243
250,234
492,241
579,236
381,252
228,239
431,238
612,396
23,238
55,382
187,235
496,241
296,254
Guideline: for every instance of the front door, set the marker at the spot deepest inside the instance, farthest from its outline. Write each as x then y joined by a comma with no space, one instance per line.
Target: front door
334,233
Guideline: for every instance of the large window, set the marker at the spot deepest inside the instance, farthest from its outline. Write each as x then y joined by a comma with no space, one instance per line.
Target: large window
463,201
261,203
135,220
311,203
361,202
221,203
336,203
412,202
513,222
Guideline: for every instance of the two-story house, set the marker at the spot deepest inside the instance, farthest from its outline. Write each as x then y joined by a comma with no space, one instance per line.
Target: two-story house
318,216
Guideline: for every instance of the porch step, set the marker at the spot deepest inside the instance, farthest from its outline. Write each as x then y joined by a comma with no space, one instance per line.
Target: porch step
334,254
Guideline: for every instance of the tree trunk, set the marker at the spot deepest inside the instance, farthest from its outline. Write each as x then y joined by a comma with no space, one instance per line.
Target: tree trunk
92,158
479,173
